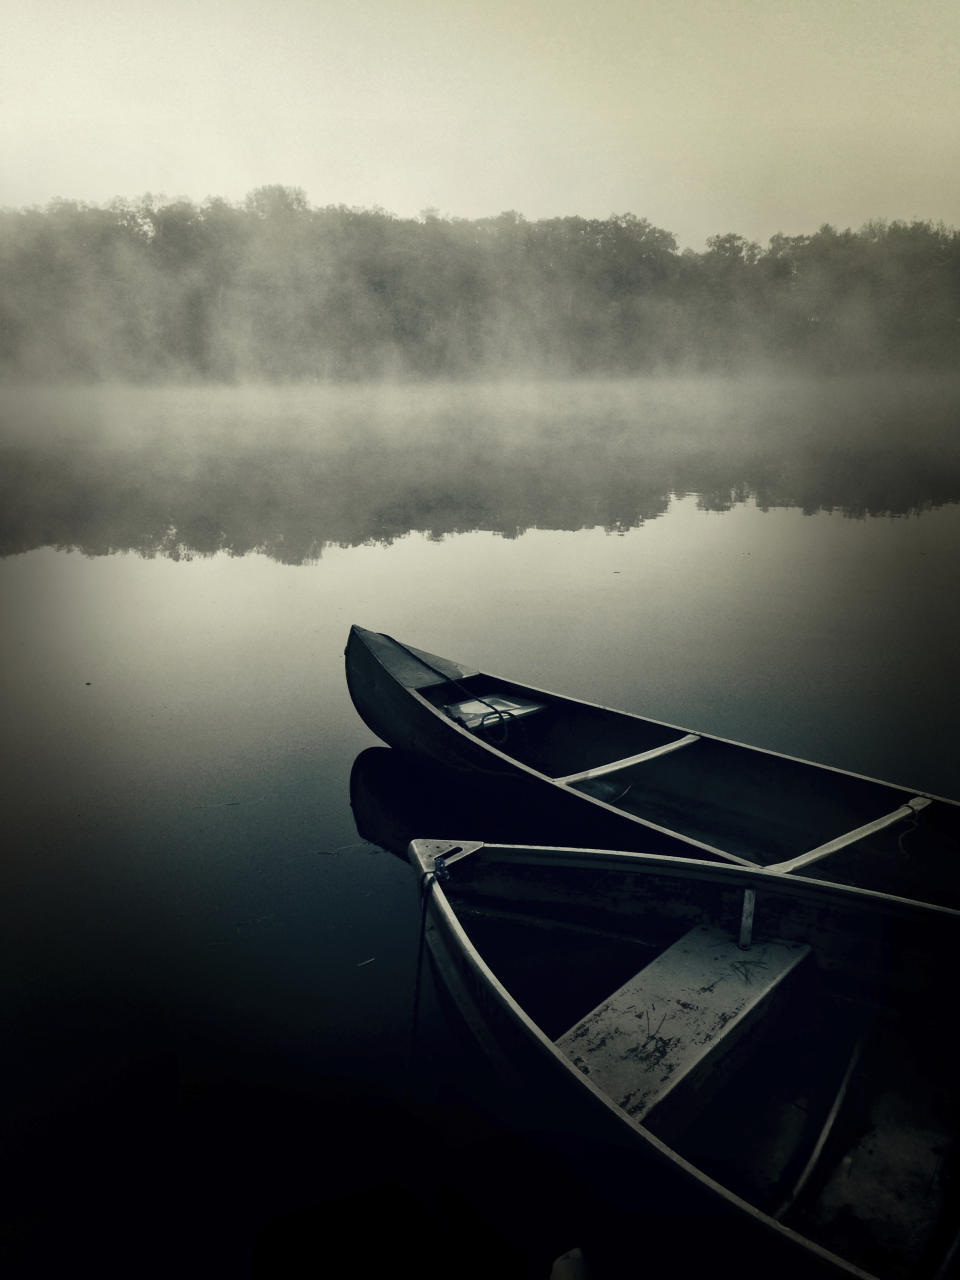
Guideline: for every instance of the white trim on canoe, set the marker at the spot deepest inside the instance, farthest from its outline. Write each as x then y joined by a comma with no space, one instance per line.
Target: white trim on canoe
424,852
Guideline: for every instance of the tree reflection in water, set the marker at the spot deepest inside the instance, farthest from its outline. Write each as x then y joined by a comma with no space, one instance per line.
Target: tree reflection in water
288,470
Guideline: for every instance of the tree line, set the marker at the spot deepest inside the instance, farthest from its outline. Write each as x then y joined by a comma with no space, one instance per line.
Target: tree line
275,289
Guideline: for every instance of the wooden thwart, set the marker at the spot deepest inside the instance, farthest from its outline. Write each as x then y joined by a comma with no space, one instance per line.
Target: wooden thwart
851,837
674,1021
599,770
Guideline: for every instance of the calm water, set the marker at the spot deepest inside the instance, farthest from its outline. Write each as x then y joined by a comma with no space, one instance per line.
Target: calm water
209,973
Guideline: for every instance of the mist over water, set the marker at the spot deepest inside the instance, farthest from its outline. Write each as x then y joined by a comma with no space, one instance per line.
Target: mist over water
289,471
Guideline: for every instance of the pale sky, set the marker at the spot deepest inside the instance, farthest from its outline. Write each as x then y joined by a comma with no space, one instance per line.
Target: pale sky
705,116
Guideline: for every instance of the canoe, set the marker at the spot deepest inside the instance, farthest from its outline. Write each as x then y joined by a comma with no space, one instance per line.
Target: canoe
756,1071
618,780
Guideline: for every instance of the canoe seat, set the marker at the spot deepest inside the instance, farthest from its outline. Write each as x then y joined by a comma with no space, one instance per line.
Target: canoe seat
662,1043
491,710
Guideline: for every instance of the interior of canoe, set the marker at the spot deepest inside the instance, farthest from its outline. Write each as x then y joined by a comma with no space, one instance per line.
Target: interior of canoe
750,803
826,1099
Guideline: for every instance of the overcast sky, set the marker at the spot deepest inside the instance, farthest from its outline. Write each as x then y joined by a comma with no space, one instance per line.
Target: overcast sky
704,116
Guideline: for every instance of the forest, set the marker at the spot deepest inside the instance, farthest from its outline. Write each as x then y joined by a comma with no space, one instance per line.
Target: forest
274,289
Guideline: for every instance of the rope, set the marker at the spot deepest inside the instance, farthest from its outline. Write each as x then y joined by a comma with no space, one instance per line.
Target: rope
506,718
427,881
914,825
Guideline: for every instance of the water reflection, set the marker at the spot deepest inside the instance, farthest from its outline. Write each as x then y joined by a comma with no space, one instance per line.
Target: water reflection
289,471
396,798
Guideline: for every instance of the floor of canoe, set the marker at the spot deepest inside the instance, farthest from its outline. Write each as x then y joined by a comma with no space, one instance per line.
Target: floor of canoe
558,978
889,1198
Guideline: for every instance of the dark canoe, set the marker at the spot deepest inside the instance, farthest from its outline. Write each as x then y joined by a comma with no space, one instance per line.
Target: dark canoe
618,780
768,1099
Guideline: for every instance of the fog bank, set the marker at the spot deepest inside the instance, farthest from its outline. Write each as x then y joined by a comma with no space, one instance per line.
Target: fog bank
275,289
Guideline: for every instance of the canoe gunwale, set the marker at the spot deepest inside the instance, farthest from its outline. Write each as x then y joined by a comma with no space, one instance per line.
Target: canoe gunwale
741,878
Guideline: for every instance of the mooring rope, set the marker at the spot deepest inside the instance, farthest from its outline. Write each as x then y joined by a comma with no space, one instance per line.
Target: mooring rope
914,825
427,881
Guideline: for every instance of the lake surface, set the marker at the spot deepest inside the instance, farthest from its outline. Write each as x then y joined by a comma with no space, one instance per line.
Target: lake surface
209,985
